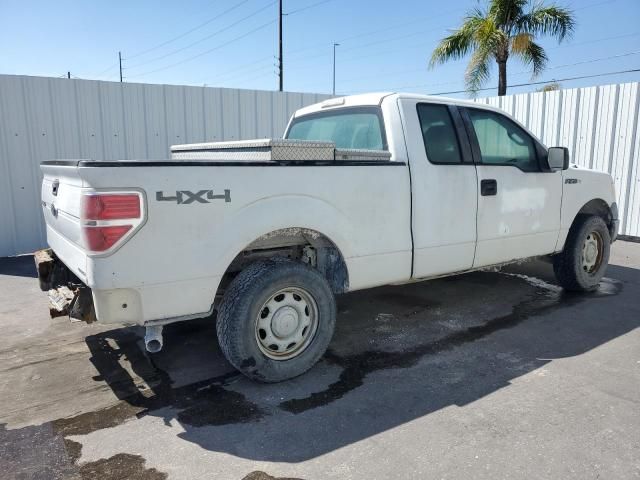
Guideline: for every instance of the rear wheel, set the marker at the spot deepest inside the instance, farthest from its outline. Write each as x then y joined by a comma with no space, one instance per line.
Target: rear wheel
276,319
583,262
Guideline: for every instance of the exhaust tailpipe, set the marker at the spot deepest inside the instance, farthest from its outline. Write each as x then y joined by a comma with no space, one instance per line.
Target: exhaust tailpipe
153,338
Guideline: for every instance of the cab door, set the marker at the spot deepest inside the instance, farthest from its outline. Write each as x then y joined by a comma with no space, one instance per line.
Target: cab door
443,187
518,201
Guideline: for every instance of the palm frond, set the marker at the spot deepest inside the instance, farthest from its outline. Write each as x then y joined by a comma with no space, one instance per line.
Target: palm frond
532,55
479,70
489,36
555,21
520,42
506,12
459,43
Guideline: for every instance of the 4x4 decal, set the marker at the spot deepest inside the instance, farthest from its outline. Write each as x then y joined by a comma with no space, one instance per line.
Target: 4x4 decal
185,197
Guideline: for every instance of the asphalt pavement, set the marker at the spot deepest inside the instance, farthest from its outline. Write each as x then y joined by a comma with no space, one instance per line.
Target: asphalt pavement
496,374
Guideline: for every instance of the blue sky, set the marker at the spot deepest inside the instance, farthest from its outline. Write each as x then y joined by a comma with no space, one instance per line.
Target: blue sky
384,45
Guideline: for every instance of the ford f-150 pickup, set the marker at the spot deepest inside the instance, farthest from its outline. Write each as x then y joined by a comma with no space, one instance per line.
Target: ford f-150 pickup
363,191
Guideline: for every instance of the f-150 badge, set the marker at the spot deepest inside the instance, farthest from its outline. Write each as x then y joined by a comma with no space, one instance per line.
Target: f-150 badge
185,197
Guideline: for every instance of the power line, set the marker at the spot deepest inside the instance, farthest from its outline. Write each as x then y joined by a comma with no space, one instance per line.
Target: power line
218,47
269,74
280,66
584,62
302,9
344,40
182,35
104,71
244,69
597,60
569,79
323,45
240,76
526,71
405,24
377,53
217,32
434,29
258,64
594,5
423,69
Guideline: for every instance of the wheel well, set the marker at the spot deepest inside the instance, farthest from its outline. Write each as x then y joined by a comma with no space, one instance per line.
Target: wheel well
305,245
598,208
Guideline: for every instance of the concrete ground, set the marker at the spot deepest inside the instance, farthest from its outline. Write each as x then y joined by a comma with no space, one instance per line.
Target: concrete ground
486,375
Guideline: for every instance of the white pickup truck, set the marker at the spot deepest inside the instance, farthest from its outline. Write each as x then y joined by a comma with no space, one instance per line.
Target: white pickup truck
416,187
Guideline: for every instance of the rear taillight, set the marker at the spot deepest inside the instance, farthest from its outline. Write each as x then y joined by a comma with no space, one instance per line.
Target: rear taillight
111,207
110,218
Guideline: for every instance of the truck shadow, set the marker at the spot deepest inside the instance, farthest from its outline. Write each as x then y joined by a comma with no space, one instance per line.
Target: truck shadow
399,353
21,266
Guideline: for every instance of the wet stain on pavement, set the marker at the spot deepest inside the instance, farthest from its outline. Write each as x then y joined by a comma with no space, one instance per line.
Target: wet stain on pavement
257,475
214,405
122,466
201,403
88,422
74,450
357,367
198,404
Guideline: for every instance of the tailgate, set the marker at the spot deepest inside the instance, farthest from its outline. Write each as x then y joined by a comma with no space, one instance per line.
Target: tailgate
61,196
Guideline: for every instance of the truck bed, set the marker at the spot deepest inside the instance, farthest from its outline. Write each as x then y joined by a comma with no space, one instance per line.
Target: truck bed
198,216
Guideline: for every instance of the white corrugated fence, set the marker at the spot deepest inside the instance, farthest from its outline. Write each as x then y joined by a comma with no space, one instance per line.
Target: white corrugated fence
45,118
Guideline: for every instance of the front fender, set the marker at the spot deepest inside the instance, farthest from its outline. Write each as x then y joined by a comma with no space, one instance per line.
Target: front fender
582,186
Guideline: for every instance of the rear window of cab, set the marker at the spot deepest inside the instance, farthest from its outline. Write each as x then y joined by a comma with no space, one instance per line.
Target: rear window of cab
358,127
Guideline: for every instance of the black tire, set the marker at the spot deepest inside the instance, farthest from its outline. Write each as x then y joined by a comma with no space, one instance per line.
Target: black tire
568,265
244,300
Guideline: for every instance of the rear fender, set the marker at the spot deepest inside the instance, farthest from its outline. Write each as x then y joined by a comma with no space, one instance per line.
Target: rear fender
282,213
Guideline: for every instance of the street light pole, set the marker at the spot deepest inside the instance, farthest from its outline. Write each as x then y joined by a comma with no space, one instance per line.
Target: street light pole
334,67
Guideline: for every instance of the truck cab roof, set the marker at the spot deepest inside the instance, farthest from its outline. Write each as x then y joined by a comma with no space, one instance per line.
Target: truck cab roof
376,98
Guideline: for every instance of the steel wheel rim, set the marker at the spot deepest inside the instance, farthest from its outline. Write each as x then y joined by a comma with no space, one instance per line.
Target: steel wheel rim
592,251
286,323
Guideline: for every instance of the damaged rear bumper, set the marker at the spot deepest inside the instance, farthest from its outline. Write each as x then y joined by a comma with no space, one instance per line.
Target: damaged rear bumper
67,294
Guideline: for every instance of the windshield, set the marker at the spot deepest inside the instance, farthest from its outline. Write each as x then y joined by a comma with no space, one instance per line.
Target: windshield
348,128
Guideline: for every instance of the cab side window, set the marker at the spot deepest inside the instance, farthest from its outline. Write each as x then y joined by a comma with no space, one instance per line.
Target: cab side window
439,134
502,141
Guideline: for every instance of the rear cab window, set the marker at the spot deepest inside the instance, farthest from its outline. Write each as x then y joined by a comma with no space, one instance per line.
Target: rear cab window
439,134
357,127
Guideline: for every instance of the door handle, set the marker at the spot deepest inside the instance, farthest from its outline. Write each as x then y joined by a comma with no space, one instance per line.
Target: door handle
488,187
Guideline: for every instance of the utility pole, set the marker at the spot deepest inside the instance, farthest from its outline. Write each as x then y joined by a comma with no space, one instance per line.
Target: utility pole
120,62
280,67
334,67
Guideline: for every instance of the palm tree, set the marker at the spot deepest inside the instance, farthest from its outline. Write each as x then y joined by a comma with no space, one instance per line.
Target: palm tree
502,30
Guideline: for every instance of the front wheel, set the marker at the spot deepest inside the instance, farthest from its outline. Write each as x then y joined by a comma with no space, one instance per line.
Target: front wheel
276,320
584,259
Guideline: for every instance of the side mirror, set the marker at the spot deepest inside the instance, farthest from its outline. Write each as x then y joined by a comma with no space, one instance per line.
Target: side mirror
558,158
